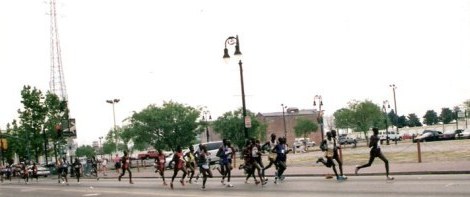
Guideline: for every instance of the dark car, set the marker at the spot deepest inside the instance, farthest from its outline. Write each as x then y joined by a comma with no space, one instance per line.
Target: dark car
451,135
428,135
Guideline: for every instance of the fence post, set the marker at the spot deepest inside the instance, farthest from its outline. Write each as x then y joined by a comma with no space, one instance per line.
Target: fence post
419,151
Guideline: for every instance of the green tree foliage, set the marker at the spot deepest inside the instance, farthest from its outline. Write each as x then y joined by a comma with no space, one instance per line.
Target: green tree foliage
166,127
430,118
32,117
393,117
231,126
446,115
413,120
86,151
363,116
304,127
343,118
402,121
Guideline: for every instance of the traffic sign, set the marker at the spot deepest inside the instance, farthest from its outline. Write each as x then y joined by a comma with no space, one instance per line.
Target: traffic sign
247,121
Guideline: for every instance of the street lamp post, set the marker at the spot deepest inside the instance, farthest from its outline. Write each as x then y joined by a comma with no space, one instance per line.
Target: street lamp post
384,108
235,41
207,117
320,114
284,119
395,103
112,102
100,147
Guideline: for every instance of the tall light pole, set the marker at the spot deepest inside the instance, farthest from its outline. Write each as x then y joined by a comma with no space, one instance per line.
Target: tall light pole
320,113
100,147
234,41
112,102
207,117
395,103
386,105
284,118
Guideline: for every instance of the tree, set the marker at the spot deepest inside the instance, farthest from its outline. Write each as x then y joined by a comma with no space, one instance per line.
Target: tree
304,127
86,151
402,121
363,116
231,126
32,117
343,118
166,127
413,120
446,115
393,117
430,118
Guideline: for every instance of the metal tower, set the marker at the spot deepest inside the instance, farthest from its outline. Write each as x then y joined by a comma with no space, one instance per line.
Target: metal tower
57,82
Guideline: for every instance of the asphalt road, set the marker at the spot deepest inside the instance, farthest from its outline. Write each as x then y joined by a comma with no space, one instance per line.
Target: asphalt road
410,185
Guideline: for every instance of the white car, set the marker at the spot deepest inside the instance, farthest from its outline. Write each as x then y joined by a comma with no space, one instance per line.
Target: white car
465,133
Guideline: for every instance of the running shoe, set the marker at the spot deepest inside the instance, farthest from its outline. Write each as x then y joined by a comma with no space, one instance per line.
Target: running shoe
357,170
389,178
229,185
182,182
171,185
223,182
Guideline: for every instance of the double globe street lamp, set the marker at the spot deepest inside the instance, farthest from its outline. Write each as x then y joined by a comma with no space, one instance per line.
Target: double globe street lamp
234,41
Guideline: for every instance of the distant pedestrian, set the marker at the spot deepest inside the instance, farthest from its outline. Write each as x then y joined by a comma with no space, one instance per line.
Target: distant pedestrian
375,152
160,165
179,165
117,163
125,160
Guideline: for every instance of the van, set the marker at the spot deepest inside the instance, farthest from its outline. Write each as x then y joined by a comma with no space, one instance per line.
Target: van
212,148
391,135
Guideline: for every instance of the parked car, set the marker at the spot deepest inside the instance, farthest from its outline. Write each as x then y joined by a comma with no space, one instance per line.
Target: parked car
450,135
306,142
465,134
344,139
42,171
148,155
428,135
392,135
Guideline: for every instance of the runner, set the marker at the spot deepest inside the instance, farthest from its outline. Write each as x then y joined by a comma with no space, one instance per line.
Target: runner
62,167
269,146
104,165
117,163
160,165
248,162
77,166
190,160
329,147
94,167
226,155
375,152
34,170
179,165
257,162
203,164
282,150
126,166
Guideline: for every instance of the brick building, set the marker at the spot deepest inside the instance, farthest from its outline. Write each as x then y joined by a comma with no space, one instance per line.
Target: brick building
275,123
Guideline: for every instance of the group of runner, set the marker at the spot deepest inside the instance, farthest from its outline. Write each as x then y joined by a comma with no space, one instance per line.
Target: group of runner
330,147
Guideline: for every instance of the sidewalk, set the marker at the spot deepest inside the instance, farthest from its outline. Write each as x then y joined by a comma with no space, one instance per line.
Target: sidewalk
377,169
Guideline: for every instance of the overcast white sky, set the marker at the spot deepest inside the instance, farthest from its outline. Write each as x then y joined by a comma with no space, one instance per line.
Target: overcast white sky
146,52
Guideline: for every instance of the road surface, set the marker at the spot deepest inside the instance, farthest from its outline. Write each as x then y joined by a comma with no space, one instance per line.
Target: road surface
410,185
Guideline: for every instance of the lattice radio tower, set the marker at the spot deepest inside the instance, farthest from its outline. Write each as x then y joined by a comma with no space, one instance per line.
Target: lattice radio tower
57,82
